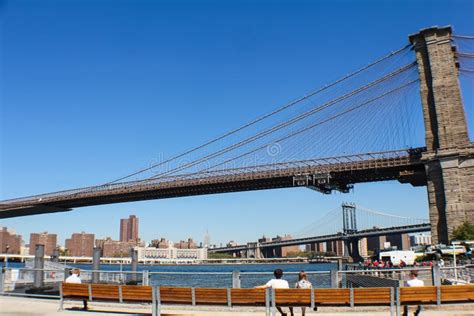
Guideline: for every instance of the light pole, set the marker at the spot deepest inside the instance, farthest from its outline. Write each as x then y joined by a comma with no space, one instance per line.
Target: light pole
454,243
7,247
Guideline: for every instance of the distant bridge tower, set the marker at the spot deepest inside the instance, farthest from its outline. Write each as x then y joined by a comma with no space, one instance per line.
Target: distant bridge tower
349,227
349,221
449,160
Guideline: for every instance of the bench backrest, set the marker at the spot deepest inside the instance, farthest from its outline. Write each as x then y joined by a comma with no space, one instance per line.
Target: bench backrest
332,296
293,297
373,296
257,297
248,297
457,293
418,294
72,290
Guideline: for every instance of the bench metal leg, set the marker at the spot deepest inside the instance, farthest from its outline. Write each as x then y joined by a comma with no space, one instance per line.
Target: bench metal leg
153,301
273,303
158,301
61,299
267,302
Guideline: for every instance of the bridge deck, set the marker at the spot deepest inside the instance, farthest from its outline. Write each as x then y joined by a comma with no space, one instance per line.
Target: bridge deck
324,174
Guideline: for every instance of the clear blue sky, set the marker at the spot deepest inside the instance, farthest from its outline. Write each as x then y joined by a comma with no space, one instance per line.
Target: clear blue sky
92,90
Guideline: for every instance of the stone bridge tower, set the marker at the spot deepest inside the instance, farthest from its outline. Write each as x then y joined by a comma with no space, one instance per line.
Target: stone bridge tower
449,159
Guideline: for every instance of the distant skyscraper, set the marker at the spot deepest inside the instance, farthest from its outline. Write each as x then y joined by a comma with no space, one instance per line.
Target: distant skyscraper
129,228
207,239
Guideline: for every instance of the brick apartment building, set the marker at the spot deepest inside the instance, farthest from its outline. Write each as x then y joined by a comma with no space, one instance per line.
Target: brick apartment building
189,244
10,242
129,229
115,248
80,245
48,240
160,243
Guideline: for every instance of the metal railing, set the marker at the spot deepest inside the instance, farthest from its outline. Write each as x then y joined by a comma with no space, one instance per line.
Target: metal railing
25,281
382,277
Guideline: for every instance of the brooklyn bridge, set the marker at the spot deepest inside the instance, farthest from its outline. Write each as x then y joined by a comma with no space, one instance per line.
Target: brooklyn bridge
400,117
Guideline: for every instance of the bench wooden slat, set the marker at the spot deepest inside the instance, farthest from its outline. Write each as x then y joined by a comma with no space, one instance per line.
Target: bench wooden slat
105,291
211,296
332,296
372,296
176,295
137,293
73,290
421,294
296,297
457,293
248,297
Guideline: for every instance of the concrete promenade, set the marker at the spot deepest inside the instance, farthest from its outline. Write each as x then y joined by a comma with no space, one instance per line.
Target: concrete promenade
18,306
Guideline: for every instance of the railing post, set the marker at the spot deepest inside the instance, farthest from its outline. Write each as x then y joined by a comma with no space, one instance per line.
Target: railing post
3,271
145,277
334,279
66,273
436,275
392,300
39,266
397,299
134,255
236,279
96,265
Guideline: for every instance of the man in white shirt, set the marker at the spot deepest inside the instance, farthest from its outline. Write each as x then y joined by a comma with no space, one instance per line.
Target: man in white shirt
414,281
277,283
74,278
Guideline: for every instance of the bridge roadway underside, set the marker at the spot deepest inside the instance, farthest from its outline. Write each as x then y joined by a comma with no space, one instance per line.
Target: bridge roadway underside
339,177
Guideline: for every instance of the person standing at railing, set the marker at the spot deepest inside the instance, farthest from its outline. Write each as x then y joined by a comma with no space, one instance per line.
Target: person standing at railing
74,278
276,283
414,281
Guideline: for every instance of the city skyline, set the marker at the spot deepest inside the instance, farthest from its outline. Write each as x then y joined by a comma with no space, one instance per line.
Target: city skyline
141,115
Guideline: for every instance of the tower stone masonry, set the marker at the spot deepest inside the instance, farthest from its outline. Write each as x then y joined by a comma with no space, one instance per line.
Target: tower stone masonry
449,159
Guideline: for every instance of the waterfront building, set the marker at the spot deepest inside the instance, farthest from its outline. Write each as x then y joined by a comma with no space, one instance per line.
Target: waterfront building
48,240
160,243
80,245
171,253
336,246
129,229
281,252
189,244
115,248
363,247
420,239
399,241
10,242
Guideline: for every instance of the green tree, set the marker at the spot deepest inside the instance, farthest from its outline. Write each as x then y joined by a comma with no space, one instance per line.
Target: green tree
463,232
212,255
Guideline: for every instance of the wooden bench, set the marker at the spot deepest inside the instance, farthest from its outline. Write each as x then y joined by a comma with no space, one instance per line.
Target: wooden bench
269,298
